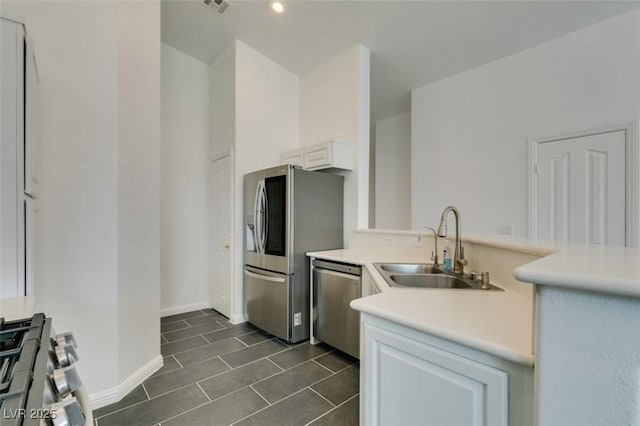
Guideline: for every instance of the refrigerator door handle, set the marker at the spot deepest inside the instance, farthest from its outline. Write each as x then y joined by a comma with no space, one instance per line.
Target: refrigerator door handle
264,277
256,217
265,222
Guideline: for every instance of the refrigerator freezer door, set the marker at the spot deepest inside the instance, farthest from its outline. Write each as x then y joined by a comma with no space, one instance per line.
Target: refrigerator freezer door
267,296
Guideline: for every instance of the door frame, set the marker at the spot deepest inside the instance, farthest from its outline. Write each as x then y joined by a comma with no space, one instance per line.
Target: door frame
632,176
232,243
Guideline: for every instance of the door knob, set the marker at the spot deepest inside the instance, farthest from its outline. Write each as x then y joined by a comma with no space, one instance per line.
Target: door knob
225,245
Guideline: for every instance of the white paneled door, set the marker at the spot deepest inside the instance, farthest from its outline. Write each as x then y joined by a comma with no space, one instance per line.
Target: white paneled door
581,189
220,234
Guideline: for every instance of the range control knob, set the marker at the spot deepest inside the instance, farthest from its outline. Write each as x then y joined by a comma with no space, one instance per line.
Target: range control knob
64,339
66,380
66,355
67,412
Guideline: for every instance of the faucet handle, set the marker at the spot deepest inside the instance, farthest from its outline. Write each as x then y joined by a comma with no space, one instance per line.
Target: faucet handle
484,281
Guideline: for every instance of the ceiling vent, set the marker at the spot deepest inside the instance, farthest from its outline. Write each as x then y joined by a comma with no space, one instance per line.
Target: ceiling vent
218,6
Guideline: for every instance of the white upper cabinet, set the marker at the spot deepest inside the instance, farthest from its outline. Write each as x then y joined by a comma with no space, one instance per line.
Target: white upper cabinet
332,154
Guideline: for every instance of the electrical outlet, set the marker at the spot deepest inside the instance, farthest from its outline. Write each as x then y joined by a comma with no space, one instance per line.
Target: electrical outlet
297,318
415,241
389,241
505,229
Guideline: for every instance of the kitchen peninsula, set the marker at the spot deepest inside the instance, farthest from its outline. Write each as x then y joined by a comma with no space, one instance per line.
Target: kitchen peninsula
476,349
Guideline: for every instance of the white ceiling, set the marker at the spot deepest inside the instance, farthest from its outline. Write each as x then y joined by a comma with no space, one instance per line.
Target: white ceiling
412,43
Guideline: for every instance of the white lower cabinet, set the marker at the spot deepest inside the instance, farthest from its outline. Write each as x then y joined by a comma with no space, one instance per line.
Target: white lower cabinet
412,378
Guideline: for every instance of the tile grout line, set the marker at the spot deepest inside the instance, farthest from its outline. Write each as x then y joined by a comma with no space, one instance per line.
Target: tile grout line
202,390
187,325
215,356
333,409
262,409
260,395
181,319
323,366
300,363
241,342
186,411
269,359
225,363
145,391
186,338
206,403
298,391
318,393
124,408
174,357
189,337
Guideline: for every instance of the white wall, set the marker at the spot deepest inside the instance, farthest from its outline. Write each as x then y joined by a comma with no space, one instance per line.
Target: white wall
98,248
393,172
138,144
334,104
78,205
222,83
469,132
254,111
183,179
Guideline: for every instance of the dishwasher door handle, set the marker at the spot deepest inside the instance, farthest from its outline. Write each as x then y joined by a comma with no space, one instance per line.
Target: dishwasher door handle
338,274
264,277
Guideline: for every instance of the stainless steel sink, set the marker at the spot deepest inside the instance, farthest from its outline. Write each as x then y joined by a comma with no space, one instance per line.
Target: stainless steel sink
430,281
410,268
425,275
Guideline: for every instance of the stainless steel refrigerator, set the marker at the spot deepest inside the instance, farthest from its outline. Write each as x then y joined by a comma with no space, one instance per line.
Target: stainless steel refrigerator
287,213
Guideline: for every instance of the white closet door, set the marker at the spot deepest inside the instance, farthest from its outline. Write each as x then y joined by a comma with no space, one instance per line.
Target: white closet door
220,236
581,189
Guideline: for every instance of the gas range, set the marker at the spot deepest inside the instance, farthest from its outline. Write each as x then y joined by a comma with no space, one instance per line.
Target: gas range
39,385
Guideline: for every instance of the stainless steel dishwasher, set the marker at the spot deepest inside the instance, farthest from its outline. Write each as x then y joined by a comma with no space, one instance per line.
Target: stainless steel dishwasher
335,285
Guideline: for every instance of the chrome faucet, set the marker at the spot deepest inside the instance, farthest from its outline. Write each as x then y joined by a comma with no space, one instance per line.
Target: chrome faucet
434,257
459,262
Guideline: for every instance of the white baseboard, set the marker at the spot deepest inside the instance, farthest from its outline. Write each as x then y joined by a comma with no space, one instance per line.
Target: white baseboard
115,394
238,319
165,312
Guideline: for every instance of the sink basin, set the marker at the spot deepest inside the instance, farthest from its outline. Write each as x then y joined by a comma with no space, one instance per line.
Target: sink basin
425,275
410,268
429,281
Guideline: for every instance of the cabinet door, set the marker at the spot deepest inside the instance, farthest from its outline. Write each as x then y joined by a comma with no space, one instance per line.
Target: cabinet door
295,157
412,383
318,156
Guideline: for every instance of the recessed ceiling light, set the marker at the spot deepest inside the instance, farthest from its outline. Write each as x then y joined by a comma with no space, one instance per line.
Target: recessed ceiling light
277,7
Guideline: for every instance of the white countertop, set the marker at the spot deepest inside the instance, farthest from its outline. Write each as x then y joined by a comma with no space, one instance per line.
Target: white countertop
14,308
499,323
603,269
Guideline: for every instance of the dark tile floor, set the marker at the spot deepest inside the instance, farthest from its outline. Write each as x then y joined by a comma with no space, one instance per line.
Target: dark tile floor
217,373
